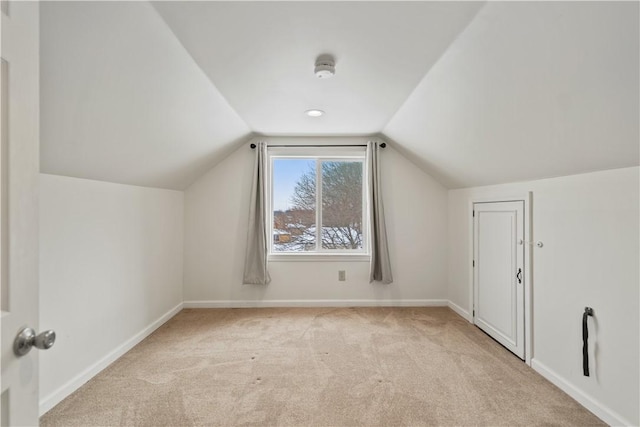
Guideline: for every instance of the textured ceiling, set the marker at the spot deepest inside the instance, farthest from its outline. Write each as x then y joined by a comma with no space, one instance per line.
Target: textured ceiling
474,93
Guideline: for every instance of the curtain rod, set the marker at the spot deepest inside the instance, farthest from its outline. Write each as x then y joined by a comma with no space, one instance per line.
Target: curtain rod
383,145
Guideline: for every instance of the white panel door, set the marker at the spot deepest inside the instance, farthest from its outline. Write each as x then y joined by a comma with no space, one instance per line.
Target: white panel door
19,159
498,272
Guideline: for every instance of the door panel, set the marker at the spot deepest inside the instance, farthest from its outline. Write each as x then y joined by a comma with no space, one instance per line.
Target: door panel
498,285
18,187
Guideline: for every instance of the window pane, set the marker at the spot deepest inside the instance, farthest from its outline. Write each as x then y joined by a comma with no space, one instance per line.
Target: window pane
342,205
294,205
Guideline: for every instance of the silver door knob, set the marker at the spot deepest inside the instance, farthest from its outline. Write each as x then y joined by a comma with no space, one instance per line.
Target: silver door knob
27,338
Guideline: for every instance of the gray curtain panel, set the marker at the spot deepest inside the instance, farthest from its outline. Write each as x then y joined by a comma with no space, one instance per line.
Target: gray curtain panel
255,263
380,268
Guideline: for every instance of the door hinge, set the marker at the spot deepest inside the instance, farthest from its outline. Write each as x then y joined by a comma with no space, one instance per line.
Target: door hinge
474,213
473,263
474,313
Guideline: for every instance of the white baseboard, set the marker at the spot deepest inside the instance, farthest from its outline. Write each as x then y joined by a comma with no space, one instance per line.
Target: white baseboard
601,411
316,303
75,383
461,311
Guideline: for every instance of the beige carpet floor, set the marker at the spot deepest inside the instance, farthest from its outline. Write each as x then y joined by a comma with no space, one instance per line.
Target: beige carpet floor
318,367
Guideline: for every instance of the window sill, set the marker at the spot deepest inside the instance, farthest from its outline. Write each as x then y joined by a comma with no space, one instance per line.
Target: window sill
319,257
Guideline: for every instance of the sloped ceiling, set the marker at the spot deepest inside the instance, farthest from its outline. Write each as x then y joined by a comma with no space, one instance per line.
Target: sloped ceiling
529,90
474,93
122,101
264,64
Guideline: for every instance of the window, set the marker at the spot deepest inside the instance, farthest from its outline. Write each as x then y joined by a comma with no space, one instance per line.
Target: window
317,201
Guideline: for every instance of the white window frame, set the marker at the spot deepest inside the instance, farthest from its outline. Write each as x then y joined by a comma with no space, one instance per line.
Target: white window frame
320,154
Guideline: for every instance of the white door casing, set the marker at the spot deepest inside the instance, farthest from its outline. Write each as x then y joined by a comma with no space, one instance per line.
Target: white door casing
499,275
19,168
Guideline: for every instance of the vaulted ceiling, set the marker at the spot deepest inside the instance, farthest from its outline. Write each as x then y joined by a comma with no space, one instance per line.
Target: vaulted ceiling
474,93
265,67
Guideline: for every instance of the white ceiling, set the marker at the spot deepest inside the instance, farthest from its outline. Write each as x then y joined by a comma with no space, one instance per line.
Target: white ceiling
122,101
474,93
529,90
260,55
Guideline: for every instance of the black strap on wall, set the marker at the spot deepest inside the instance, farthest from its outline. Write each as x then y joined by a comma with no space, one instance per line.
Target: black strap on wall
588,311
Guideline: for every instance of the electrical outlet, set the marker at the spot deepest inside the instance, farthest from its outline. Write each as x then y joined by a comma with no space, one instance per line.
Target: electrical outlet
342,275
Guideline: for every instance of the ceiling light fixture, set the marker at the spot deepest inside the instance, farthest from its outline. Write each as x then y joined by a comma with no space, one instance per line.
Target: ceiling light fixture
314,113
325,67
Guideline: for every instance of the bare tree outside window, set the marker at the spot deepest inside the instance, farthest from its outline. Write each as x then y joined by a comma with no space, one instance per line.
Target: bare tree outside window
341,205
341,209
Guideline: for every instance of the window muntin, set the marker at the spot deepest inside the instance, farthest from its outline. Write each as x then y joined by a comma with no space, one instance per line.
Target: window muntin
314,186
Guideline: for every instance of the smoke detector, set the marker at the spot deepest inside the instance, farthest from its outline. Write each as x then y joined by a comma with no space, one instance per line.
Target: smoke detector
325,67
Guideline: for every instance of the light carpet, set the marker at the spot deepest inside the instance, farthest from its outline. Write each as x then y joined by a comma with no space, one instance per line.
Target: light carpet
318,367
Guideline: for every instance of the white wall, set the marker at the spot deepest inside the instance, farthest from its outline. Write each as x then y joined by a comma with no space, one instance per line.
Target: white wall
216,215
111,268
589,226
